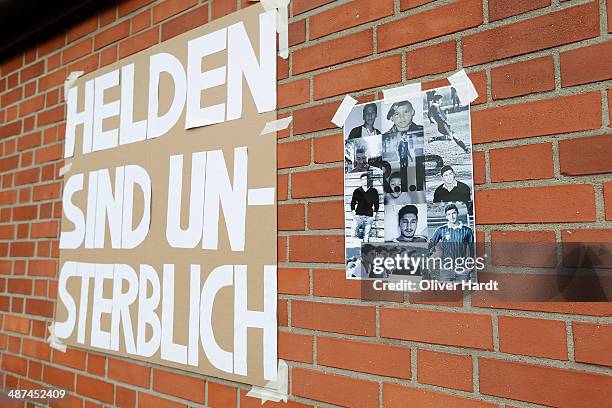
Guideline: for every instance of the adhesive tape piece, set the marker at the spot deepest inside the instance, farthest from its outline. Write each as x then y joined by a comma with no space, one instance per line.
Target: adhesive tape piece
343,111
54,341
69,82
276,125
394,94
464,86
261,196
273,390
65,169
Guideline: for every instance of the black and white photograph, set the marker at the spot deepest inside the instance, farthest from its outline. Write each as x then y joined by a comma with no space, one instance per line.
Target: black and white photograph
406,223
448,143
364,207
355,268
452,240
403,142
363,121
362,154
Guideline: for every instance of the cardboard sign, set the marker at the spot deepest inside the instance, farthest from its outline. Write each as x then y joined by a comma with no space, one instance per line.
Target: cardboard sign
168,243
409,190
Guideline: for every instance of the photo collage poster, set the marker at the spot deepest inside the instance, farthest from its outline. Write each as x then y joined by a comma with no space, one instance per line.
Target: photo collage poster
408,187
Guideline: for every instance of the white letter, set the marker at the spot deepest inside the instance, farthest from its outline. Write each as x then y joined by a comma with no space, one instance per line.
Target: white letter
92,200
64,329
121,307
146,312
158,63
109,207
170,351
178,237
72,239
99,337
220,277
244,318
198,80
84,117
241,59
85,271
129,131
105,139
194,316
233,201
131,238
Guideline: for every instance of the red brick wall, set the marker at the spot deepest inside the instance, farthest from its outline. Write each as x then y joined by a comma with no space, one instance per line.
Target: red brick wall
542,155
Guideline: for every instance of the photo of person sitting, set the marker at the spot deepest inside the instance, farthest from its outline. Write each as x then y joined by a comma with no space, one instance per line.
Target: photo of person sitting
364,206
370,112
408,219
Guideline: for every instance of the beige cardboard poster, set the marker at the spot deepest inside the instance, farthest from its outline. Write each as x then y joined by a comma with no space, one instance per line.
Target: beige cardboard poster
168,243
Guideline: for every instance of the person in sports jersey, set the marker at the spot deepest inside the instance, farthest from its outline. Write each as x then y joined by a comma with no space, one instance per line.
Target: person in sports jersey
370,112
438,115
455,240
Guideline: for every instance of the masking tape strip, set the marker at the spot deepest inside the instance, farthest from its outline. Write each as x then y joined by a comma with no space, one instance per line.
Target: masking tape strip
54,341
69,82
276,125
273,390
343,111
464,86
65,169
400,92
261,196
282,23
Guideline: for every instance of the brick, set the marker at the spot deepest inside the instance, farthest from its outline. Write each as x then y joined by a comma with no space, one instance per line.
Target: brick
409,4
182,386
141,21
46,191
31,105
16,324
378,359
297,32
96,364
293,93
7,232
316,248
293,154
11,97
328,149
291,217
185,22
313,118
282,186
83,28
171,8
446,19
124,397
333,388
52,80
523,78
550,204
22,249
71,358
587,64
445,370
499,9
17,365
39,307
348,15
12,64
317,183
550,30
108,56
51,116
130,6
528,162
364,75
585,155
138,42
333,283
77,50
537,118
395,396
431,60
148,400
112,34
326,215
282,312
332,52
524,248
294,347
94,388
293,281
346,319
222,8
220,395
449,328
129,373
21,286
36,349
607,190
58,377
11,129
478,162
533,337
591,343
9,163
42,267
32,71
543,385
302,6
